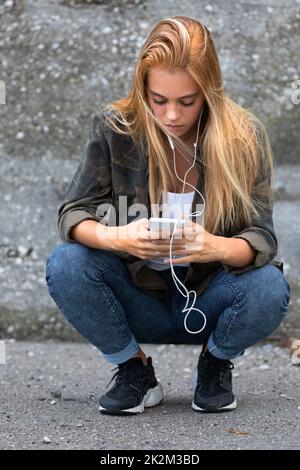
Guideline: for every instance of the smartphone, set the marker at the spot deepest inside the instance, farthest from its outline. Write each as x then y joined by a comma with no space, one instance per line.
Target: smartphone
165,226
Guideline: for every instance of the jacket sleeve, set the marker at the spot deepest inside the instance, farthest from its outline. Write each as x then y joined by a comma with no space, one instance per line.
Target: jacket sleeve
260,234
91,184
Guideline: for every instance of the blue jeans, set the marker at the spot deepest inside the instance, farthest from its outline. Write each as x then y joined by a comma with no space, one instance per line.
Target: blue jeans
94,291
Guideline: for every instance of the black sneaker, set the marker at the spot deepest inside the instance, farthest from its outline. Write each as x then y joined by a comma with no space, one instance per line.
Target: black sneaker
213,391
134,389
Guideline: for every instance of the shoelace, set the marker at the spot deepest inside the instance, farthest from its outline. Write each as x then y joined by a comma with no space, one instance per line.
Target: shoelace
121,375
215,367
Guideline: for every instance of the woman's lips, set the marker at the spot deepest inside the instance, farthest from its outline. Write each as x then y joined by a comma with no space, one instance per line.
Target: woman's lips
174,127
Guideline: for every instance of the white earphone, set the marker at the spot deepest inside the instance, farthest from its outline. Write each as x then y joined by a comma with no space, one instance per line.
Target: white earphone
175,278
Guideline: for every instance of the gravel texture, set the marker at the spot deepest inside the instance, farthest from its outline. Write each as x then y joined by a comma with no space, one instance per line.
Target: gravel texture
49,400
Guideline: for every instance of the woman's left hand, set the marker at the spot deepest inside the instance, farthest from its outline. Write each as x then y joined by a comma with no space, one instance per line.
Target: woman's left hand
200,245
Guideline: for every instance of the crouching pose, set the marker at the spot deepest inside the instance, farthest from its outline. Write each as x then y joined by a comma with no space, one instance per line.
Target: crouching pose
112,280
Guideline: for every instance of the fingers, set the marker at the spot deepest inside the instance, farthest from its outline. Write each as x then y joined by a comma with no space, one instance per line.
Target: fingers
162,251
175,242
164,237
166,252
166,246
155,253
156,236
165,255
161,242
160,235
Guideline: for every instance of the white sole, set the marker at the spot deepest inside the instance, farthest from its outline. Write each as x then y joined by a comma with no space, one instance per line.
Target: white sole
153,397
231,406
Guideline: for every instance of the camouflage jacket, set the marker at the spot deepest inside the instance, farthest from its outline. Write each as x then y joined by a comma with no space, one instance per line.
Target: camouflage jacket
112,166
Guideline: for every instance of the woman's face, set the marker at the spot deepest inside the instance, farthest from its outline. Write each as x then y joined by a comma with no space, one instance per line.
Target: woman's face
175,99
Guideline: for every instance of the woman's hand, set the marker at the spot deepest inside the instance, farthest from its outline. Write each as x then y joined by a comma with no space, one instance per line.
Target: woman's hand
200,246
136,239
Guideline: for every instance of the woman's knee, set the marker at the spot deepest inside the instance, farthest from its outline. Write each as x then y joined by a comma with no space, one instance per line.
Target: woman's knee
281,292
268,298
273,285
70,260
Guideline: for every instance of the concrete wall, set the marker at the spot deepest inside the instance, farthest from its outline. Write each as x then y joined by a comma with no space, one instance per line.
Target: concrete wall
60,61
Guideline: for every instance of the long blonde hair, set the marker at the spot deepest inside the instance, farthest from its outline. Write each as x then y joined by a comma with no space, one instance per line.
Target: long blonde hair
235,147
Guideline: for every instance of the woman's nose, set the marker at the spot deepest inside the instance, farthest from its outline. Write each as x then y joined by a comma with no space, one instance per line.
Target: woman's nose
172,113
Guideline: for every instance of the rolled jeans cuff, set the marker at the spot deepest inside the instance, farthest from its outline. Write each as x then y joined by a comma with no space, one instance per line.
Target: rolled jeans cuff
124,355
215,351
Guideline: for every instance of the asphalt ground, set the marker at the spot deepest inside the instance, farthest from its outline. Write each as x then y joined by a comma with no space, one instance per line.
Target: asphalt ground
50,391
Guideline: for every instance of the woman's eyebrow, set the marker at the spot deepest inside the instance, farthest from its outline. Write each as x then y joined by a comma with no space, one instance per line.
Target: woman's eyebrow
180,98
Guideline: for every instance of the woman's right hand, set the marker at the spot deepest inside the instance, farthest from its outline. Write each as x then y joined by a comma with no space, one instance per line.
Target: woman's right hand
136,239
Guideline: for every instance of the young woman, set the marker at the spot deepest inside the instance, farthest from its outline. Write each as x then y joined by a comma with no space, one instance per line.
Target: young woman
109,278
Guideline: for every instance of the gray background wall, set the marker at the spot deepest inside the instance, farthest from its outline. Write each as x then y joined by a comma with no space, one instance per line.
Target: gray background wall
61,60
